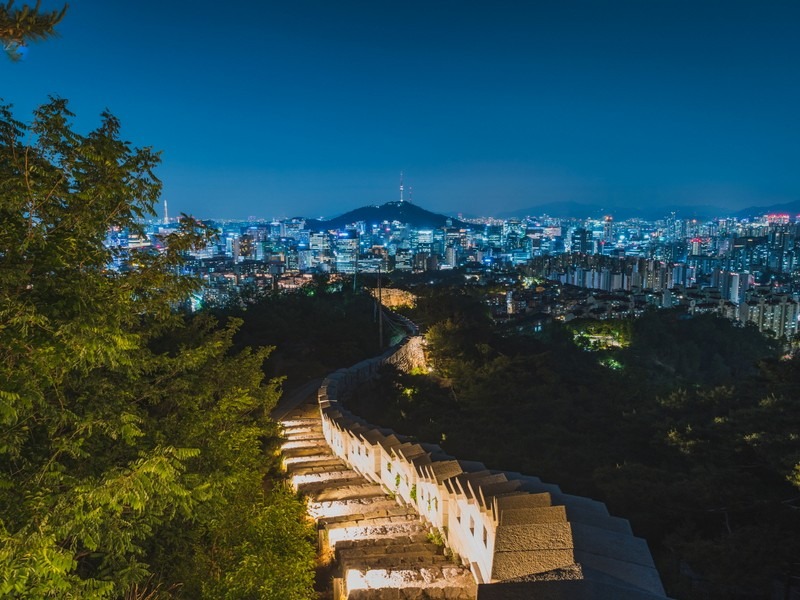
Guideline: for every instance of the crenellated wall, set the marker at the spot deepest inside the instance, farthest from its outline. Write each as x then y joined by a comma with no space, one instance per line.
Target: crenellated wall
506,526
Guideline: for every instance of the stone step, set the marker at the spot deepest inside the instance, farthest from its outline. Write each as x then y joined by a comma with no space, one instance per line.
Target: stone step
313,482
413,593
392,510
364,490
350,506
420,537
424,578
406,560
387,530
309,472
368,520
298,422
314,427
294,424
306,437
321,451
297,444
308,428
365,551
328,460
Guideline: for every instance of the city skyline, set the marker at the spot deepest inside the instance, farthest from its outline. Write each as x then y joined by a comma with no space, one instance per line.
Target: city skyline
313,109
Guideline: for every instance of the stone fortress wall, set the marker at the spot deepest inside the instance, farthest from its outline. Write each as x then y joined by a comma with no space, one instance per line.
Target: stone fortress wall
518,535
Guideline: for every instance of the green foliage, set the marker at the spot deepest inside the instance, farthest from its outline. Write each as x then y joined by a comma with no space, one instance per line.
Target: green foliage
436,537
26,24
600,335
270,558
131,436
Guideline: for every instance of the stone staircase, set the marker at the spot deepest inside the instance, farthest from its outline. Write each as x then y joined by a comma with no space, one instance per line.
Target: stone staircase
381,549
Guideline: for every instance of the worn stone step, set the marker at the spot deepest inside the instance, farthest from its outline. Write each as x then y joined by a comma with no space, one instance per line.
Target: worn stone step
350,506
406,560
373,515
387,530
419,537
324,473
300,429
413,593
295,444
300,424
321,451
368,520
364,490
312,482
299,462
301,421
425,578
309,472
317,438
364,551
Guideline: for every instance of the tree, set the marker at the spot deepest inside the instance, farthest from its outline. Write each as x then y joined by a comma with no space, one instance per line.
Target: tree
129,432
18,26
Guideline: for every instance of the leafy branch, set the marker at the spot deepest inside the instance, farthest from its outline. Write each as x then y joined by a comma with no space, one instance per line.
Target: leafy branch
24,24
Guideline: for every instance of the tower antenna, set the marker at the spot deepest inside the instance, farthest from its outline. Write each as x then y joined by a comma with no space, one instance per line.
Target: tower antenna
401,186
166,214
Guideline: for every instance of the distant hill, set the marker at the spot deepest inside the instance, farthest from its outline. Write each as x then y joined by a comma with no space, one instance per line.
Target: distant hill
790,208
404,212
645,211
564,210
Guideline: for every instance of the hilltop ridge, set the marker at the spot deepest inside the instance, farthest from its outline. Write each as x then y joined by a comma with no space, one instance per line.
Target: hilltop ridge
397,210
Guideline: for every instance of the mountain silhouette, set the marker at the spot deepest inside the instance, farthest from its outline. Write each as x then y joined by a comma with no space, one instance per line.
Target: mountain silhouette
401,211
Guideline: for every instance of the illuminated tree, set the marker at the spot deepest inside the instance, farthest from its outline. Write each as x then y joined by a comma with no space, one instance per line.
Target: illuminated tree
131,437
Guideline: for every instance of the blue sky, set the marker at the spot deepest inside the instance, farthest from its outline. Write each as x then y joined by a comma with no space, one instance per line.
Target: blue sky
314,107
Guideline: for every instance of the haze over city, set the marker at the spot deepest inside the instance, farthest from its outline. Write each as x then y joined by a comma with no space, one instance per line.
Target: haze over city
312,108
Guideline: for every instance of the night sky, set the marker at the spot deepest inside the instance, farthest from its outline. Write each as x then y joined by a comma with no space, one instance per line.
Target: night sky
293,107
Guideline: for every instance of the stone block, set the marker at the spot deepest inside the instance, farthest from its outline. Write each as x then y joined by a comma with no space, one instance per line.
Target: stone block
524,501
544,514
509,565
516,538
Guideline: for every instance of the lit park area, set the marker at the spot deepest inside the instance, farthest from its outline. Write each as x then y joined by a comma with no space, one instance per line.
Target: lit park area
374,547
